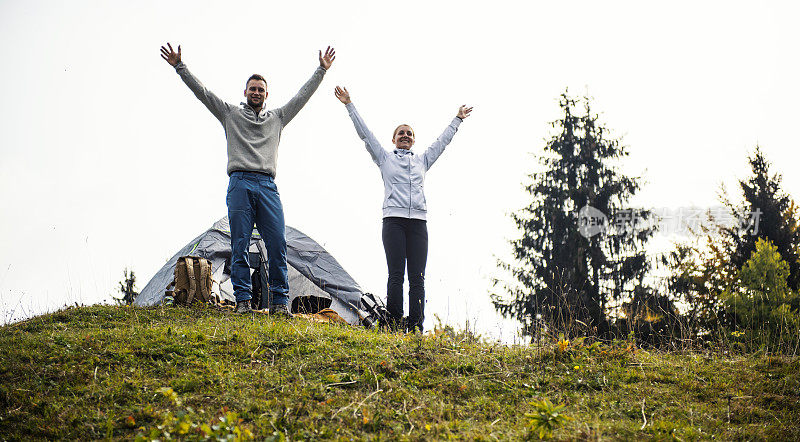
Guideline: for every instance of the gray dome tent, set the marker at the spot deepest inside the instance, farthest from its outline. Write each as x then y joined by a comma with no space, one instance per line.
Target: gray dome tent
315,278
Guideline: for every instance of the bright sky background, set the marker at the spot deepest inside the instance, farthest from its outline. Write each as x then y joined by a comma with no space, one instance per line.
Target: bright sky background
108,161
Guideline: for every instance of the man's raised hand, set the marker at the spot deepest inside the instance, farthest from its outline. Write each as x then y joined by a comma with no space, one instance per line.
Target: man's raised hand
463,111
324,60
342,94
172,57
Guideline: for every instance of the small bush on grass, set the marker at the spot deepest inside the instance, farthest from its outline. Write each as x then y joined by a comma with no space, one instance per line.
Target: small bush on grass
547,418
762,306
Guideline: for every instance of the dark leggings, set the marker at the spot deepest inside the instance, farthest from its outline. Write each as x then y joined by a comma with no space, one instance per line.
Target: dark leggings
405,240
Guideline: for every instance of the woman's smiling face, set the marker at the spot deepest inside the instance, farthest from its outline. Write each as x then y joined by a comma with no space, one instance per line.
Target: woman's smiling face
403,137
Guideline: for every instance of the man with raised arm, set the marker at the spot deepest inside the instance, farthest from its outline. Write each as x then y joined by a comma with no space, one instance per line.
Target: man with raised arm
253,133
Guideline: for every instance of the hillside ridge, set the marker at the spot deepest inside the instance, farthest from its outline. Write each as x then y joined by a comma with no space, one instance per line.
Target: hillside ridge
196,373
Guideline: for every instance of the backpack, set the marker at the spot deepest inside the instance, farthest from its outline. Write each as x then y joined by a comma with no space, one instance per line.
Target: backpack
376,311
192,281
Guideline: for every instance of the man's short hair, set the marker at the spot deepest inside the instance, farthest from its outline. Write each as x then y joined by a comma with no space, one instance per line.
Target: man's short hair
255,77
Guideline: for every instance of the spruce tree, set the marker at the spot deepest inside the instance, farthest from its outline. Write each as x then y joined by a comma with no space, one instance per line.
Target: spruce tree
128,288
569,272
774,218
761,305
704,275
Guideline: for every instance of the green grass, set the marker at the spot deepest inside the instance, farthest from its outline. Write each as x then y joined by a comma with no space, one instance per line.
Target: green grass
120,372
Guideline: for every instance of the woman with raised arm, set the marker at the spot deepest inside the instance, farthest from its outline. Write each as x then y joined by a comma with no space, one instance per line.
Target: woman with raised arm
405,233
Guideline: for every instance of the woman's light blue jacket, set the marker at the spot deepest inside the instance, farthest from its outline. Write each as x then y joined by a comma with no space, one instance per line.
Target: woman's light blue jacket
402,170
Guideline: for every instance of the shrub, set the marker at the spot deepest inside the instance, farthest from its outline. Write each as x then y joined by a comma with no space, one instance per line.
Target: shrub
761,306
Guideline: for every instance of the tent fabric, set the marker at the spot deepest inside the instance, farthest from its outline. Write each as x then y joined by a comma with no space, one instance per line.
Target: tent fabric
313,272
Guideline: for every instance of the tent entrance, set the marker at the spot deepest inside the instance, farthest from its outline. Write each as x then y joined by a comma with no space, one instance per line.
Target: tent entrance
310,304
309,298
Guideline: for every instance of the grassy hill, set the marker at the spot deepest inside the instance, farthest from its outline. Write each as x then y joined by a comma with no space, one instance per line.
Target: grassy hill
194,373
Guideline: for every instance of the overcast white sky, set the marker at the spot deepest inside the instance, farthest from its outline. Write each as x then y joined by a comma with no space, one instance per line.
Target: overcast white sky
108,161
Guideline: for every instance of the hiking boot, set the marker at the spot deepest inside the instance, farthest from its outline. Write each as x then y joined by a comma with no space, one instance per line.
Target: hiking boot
280,310
243,307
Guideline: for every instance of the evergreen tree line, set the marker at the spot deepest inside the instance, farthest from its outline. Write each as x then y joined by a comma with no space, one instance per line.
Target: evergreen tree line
580,265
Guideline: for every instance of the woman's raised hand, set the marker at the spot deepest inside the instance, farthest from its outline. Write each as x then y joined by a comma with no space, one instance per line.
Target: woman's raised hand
342,94
463,111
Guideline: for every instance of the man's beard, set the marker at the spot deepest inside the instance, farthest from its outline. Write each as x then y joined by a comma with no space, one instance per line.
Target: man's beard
253,105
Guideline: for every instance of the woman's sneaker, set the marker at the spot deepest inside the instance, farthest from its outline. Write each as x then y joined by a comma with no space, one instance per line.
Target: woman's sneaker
281,310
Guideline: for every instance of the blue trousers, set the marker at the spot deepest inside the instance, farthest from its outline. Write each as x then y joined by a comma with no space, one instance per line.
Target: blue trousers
254,198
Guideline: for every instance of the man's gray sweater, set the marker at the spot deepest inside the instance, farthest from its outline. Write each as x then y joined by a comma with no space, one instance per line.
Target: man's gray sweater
252,138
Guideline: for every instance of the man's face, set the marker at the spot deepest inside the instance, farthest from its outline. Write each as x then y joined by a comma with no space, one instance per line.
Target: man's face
256,93
403,137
